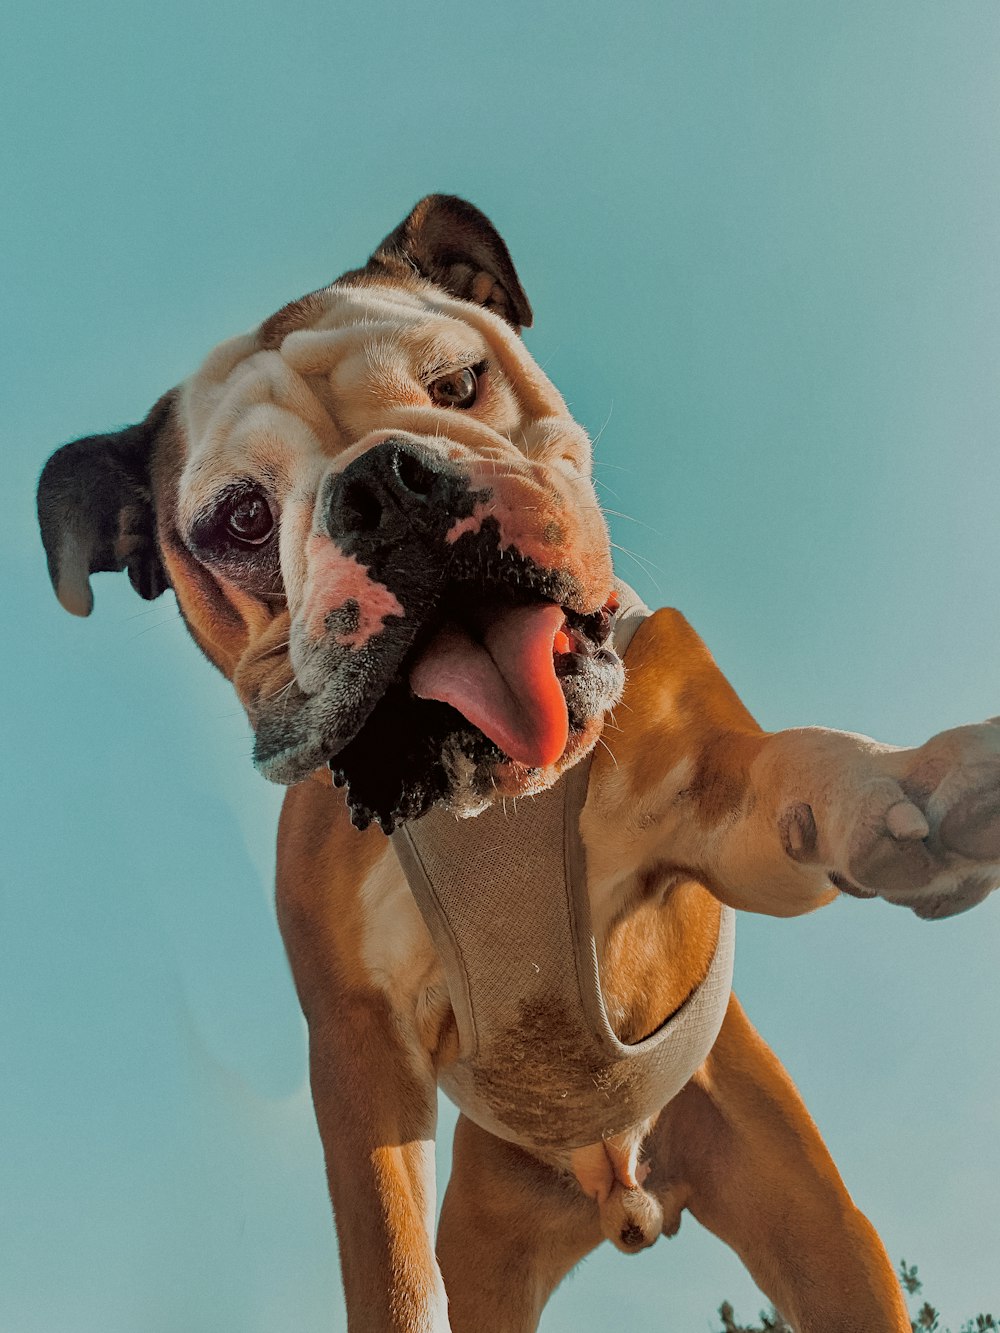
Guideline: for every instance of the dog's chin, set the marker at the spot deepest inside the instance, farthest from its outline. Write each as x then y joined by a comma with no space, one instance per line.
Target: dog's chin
414,753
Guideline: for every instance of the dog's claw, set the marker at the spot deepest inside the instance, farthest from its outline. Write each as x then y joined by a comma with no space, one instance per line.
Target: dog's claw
906,822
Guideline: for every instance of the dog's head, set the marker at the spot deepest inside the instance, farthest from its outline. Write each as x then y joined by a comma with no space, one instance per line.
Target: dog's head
378,518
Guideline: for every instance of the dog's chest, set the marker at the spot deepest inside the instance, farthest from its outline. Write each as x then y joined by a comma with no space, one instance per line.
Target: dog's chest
401,960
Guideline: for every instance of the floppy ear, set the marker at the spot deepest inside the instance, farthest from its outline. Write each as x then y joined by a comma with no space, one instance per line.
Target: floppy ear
452,244
95,509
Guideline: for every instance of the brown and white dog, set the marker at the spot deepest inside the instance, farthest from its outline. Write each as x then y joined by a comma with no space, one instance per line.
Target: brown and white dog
377,516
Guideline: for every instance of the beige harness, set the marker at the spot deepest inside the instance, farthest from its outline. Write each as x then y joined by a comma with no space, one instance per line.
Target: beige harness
504,896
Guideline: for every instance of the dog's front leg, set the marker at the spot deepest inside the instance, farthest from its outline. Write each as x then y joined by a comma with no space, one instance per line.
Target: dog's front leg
782,822
372,1079
376,1113
827,810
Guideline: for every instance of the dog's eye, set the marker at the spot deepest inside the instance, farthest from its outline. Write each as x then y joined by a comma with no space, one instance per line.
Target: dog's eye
248,518
236,532
459,388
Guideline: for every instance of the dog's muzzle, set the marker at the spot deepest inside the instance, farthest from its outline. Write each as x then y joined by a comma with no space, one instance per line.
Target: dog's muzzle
423,635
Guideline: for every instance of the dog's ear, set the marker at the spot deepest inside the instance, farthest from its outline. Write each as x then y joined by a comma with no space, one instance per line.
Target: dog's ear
452,244
95,510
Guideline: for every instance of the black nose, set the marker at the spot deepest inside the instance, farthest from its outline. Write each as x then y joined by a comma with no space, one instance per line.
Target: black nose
391,490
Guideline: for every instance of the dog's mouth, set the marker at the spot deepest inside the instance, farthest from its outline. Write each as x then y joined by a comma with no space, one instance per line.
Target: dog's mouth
496,666
495,700
491,679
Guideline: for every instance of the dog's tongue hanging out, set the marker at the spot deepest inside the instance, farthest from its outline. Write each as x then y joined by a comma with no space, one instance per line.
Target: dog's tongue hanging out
506,684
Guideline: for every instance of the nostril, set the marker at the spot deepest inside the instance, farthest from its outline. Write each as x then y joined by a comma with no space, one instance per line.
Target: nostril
360,508
388,491
415,477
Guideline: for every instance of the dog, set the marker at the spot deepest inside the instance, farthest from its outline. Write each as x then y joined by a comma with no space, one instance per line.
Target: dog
377,516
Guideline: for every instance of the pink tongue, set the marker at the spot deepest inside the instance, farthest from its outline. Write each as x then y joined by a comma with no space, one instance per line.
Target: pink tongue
505,686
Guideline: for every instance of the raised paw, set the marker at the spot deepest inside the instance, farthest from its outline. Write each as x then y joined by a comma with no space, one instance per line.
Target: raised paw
917,827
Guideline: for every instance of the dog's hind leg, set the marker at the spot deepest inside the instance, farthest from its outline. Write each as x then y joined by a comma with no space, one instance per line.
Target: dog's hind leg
739,1148
511,1229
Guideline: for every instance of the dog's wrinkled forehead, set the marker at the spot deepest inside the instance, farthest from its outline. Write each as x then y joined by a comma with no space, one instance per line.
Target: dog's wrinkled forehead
283,405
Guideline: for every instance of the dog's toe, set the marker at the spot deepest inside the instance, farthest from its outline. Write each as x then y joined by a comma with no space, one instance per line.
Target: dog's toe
972,826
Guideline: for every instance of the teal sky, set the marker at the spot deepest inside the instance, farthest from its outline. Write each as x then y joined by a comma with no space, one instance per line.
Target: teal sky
761,241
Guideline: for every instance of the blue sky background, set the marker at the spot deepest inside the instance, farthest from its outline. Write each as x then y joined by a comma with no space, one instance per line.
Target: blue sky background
761,243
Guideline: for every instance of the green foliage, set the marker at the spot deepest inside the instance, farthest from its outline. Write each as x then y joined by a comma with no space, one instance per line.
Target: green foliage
769,1322
926,1320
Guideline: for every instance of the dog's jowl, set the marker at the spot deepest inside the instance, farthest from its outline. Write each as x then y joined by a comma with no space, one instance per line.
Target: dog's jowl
377,516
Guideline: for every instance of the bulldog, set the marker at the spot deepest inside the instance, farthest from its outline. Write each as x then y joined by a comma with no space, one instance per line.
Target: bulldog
377,516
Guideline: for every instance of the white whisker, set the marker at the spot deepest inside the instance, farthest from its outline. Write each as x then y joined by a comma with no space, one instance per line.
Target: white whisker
602,741
645,565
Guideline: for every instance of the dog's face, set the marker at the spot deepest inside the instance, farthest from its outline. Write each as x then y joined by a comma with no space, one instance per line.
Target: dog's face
378,518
